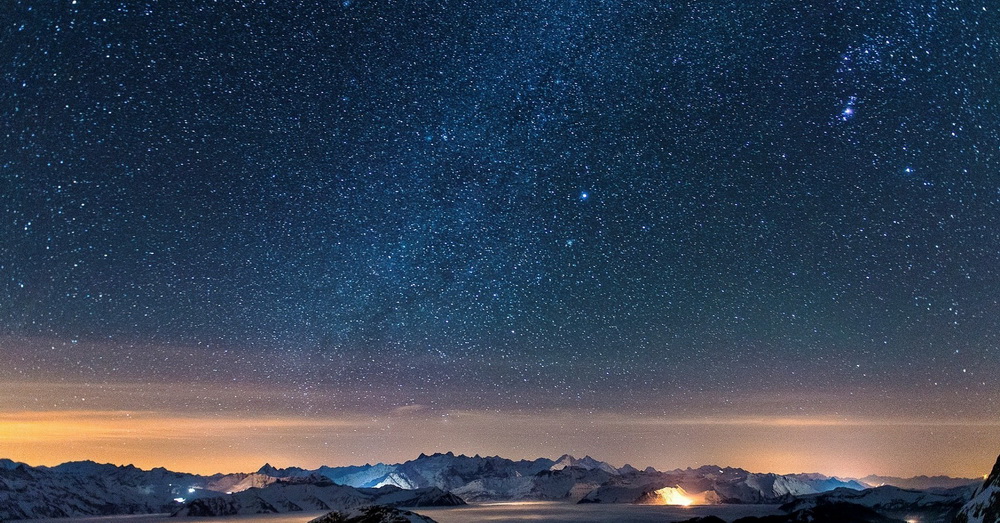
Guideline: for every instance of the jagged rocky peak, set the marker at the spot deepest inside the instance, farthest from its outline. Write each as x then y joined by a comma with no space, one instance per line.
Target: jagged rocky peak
440,455
270,470
586,462
629,469
993,479
984,507
564,461
275,472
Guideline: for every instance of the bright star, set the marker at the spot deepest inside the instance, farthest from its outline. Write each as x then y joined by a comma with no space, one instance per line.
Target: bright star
584,196
848,110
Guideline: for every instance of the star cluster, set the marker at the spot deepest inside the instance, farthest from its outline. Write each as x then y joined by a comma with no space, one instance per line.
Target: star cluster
546,204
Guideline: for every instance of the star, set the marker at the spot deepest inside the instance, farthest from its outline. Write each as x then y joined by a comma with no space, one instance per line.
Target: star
330,196
848,111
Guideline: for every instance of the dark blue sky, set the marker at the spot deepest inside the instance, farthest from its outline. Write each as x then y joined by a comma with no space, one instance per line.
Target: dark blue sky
588,205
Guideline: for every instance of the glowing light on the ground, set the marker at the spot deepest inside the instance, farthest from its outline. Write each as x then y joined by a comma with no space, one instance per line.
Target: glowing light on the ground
673,496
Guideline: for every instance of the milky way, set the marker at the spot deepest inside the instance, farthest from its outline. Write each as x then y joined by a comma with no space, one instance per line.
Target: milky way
647,208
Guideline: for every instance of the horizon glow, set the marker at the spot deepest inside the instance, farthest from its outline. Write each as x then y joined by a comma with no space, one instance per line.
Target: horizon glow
340,232
242,442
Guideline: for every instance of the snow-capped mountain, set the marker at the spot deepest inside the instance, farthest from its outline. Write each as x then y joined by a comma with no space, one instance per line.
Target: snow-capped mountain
358,476
302,495
984,507
486,478
587,463
240,482
86,488
479,478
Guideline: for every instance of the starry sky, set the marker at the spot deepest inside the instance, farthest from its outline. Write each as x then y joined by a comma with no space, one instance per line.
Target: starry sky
761,234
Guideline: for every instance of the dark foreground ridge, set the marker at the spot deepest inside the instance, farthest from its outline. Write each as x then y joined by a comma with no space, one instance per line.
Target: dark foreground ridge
828,513
374,514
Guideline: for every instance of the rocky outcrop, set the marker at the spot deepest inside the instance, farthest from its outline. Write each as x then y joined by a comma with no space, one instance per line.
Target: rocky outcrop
827,513
374,514
984,507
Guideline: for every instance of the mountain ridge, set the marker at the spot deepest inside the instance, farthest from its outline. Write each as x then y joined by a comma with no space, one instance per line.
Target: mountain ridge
88,488
984,507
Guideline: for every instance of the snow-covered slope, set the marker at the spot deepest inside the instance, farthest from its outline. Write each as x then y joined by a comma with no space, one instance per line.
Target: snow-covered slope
89,489
984,507
240,482
86,488
358,476
587,463
824,483
298,496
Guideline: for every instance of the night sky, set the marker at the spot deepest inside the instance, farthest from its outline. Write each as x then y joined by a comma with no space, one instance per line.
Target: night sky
669,233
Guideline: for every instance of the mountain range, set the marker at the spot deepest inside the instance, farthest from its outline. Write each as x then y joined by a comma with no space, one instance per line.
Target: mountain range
86,488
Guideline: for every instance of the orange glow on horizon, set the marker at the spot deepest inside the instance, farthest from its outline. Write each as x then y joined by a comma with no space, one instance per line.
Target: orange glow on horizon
242,441
199,444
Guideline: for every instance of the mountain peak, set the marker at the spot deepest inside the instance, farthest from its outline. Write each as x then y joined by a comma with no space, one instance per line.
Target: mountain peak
993,479
587,463
984,507
8,464
268,470
628,469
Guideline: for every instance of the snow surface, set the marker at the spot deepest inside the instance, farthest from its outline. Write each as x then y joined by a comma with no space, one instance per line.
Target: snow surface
984,507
